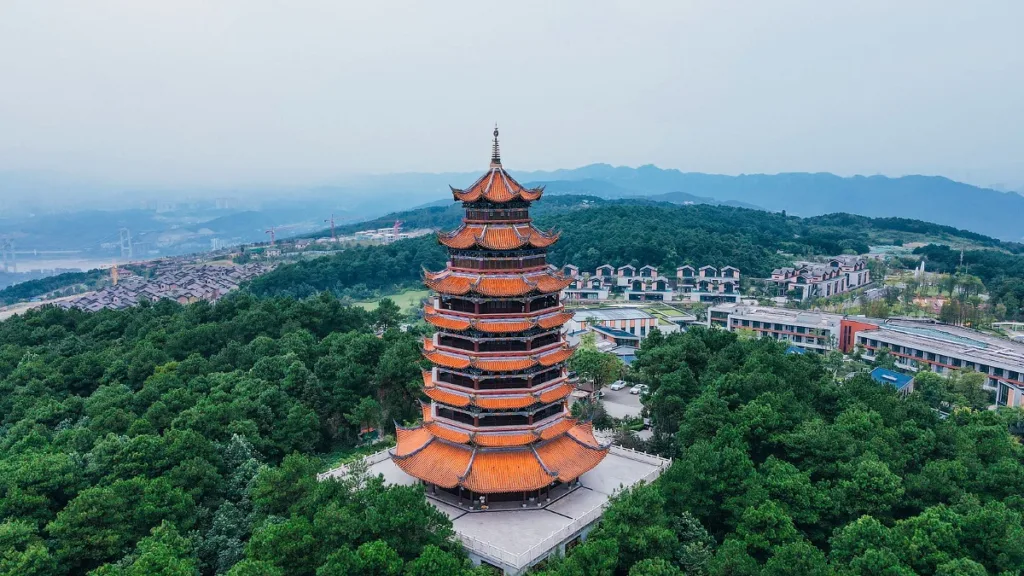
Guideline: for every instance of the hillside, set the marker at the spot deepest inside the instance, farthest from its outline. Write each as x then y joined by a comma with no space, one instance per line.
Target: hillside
931,198
618,232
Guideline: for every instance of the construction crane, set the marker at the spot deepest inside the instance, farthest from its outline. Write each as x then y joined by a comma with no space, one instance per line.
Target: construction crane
126,243
7,250
334,238
273,232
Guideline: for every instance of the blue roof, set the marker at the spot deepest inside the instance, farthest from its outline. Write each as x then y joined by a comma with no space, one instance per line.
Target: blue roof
795,350
894,379
615,332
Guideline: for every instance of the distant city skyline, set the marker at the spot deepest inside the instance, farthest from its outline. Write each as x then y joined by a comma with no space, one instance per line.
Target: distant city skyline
262,93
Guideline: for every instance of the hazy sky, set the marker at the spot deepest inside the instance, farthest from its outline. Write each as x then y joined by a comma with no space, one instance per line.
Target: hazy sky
254,92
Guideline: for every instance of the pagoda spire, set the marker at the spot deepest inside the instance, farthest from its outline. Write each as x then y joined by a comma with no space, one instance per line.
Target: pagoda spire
495,152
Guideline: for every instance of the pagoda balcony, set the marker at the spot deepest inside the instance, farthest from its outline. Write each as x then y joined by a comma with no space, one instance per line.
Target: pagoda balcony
537,379
448,348
471,314
495,307
501,421
498,264
492,344
516,383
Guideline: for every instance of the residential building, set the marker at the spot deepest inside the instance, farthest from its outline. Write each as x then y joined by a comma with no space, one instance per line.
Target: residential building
708,284
586,287
810,331
808,280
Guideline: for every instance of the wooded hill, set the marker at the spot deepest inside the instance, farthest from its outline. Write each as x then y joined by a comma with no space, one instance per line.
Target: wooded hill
637,232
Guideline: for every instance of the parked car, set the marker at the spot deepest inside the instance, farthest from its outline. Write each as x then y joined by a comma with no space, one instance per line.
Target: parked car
638,389
618,385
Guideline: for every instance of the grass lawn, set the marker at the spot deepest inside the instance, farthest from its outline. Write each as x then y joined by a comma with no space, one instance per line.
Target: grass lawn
404,300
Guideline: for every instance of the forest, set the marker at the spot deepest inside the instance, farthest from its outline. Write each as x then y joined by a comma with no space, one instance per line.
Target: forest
185,440
781,469
614,232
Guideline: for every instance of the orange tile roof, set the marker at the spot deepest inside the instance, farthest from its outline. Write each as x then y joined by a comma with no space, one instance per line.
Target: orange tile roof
549,283
503,325
501,238
410,440
554,320
447,433
555,393
584,432
497,237
503,402
460,238
496,186
438,462
449,284
447,322
446,282
445,396
503,364
557,428
514,286
506,471
568,458
447,360
427,416
559,355
428,345
504,440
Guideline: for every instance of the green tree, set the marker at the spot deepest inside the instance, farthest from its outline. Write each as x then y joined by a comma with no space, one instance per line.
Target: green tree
594,366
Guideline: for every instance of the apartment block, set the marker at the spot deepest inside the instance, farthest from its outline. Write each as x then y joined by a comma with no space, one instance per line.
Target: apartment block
808,280
941,348
810,331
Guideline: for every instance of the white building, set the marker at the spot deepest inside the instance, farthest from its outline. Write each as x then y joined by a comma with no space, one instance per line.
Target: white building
708,284
810,331
807,280
636,321
941,348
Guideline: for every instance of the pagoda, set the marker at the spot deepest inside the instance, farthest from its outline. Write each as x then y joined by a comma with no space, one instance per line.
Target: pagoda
497,427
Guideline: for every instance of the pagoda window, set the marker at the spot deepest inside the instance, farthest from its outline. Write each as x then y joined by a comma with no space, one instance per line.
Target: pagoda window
497,215
457,379
503,383
547,376
545,340
543,303
456,415
457,305
503,346
488,420
455,342
502,307
547,412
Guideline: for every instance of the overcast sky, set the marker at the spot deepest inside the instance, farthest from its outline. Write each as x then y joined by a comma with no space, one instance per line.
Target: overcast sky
233,92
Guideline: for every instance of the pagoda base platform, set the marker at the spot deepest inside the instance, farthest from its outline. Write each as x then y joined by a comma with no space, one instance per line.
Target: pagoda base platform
512,538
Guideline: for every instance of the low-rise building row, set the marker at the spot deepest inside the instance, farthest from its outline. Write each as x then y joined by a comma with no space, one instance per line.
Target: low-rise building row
914,344
706,284
182,283
806,280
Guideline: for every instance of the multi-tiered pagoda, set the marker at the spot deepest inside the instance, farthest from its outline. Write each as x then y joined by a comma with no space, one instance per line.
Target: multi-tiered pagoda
497,427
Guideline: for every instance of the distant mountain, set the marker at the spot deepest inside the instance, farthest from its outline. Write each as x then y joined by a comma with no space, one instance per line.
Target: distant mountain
931,198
